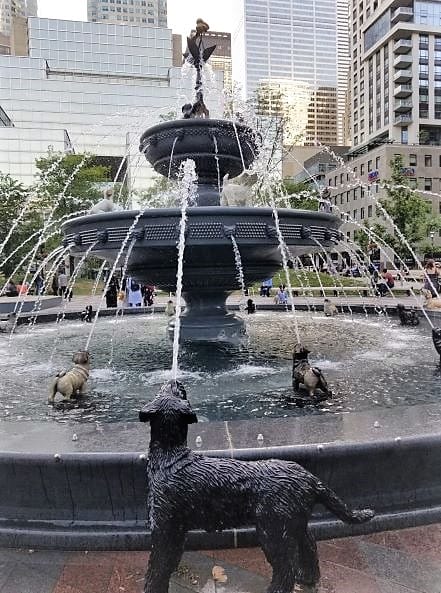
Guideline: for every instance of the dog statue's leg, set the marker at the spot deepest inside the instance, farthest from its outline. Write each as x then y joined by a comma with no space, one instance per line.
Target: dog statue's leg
308,573
281,552
167,549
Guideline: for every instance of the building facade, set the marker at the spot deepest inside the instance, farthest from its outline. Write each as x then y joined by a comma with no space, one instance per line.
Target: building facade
295,56
87,87
395,103
149,13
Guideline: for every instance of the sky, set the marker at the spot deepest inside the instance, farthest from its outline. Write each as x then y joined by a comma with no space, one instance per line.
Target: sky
182,14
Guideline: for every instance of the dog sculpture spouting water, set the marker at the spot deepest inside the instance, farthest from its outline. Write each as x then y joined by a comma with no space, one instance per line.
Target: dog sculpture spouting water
311,377
407,317
73,382
191,491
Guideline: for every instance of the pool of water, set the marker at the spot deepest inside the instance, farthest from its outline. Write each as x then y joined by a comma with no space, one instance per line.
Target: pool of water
369,362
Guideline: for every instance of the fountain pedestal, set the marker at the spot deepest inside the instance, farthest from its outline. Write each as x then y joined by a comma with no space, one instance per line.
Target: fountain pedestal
206,318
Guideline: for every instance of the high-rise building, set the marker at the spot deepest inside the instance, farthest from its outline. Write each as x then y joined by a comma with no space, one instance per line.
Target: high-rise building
299,51
15,8
395,108
150,13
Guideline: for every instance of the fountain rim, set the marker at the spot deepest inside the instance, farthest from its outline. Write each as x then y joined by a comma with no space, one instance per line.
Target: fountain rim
196,123
202,211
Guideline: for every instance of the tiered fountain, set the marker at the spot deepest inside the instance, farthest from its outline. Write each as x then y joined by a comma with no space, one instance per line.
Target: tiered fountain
87,490
217,147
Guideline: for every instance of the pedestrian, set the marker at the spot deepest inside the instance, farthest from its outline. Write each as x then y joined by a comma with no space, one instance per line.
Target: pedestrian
39,283
134,294
431,278
62,282
251,307
54,284
11,289
147,293
112,293
387,284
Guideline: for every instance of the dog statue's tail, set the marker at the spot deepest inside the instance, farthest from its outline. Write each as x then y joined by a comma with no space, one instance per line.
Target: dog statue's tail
331,501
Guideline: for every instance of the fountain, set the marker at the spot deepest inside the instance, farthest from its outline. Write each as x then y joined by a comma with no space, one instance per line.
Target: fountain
217,147
74,478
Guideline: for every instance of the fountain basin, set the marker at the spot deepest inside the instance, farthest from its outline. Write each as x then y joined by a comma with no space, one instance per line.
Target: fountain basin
210,273
209,259
90,492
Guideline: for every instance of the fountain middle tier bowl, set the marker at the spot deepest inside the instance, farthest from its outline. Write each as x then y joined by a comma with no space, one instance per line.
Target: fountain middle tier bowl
217,147
209,261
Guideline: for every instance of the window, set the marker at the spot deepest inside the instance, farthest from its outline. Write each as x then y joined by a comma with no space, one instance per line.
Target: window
361,213
369,211
412,160
428,184
355,215
428,160
377,162
369,165
362,169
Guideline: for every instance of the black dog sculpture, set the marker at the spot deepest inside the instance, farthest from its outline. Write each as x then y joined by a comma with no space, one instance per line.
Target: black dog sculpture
436,338
311,377
407,317
191,491
87,314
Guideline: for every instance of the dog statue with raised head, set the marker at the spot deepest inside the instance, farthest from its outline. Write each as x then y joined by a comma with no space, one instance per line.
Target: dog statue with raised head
7,323
429,301
191,491
407,317
329,309
106,204
304,374
72,383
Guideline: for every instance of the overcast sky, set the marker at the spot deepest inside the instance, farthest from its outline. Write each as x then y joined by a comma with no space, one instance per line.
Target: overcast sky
182,14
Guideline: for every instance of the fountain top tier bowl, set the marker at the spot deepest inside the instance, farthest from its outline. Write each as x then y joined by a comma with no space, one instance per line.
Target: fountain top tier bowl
216,146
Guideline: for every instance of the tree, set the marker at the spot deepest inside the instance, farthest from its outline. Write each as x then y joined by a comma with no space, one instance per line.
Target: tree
410,214
300,195
161,194
68,183
16,204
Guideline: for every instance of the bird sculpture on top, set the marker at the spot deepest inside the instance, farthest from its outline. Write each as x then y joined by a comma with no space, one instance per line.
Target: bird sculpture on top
201,28
197,54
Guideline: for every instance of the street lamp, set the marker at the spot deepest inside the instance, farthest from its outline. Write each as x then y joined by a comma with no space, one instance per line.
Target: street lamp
432,237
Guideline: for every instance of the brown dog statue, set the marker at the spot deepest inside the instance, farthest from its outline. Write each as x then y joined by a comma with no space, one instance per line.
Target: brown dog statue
72,383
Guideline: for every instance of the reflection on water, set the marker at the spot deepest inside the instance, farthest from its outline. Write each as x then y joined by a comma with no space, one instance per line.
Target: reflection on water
369,362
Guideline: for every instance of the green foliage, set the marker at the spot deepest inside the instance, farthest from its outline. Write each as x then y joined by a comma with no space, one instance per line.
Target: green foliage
299,195
409,212
69,182
161,194
13,198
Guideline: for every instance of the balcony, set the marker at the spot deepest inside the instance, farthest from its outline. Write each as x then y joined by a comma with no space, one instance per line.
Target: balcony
403,120
403,106
402,14
403,76
404,90
403,46
403,61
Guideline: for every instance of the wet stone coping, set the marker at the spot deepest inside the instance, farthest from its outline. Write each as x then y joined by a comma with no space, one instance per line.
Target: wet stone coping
363,308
